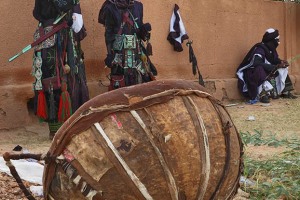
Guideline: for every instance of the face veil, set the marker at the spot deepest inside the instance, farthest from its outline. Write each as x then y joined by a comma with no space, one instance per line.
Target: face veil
271,38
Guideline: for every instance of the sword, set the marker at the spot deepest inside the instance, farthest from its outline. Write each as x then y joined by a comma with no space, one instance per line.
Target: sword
193,60
43,38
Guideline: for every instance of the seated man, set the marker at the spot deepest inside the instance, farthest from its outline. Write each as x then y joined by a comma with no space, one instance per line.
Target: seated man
263,73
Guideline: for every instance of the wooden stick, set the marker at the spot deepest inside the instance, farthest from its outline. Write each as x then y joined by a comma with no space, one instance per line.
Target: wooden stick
7,157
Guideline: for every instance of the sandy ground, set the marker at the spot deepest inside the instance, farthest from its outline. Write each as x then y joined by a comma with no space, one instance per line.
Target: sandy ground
280,117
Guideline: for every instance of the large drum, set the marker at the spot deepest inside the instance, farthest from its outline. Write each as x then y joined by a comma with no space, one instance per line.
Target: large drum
163,140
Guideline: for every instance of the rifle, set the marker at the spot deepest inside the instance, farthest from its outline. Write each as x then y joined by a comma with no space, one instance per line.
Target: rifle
272,73
271,78
43,38
193,60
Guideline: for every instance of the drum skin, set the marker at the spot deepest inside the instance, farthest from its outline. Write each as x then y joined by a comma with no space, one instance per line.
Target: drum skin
162,140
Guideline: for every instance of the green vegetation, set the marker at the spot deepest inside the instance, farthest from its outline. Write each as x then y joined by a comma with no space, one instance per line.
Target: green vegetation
295,1
274,178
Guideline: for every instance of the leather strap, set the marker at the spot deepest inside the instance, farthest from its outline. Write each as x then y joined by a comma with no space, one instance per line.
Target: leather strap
126,19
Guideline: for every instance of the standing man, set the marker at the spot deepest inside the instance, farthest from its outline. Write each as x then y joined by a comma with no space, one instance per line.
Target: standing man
261,67
125,35
58,65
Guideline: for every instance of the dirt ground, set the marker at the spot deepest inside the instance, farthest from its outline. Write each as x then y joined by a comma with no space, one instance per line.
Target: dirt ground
280,117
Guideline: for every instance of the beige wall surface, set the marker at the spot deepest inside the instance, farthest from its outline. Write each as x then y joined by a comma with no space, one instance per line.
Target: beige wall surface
222,32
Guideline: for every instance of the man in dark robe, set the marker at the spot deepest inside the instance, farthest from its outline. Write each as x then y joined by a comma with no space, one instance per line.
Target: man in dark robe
125,34
58,65
261,67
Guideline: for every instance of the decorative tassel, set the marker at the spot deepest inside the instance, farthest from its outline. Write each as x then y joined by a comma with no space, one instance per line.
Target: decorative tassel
52,109
66,69
65,107
149,49
42,106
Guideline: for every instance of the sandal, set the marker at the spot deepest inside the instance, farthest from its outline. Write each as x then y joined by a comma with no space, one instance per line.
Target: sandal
288,96
264,99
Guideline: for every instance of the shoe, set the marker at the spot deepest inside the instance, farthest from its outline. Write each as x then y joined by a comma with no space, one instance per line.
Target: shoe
264,99
288,96
254,101
274,95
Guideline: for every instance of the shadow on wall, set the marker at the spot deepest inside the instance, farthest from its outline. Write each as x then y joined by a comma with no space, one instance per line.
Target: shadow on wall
30,107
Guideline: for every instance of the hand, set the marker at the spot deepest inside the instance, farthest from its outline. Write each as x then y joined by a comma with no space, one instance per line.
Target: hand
281,65
70,22
147,27
144,31
108,60
286,64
